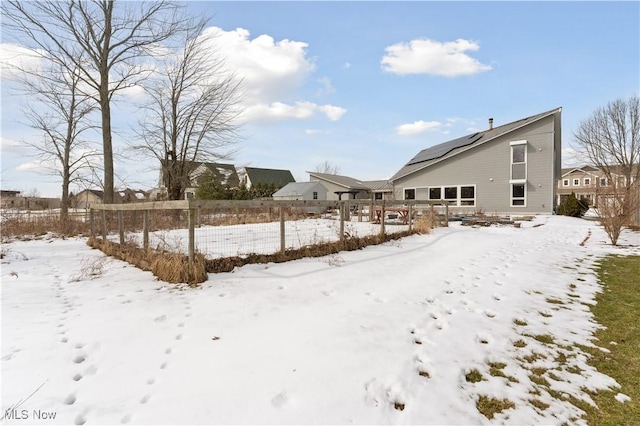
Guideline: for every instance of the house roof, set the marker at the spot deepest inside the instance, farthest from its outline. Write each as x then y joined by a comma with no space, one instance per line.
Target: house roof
379,185
266,176
347,182
437,153
296,189
224,173
585,169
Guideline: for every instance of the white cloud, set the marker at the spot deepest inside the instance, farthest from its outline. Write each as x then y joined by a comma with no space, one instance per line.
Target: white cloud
14,57
327,87
277,111
417,127
270,69
312,132
333,113
425,56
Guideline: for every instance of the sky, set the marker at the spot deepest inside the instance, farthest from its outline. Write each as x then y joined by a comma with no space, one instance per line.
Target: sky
90,339
367,85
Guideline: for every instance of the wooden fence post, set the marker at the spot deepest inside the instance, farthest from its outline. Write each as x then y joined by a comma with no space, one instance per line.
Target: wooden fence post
192,243
446,214
382,218
104,225
121,226
409,214
282,228
92,230
343,207
145,229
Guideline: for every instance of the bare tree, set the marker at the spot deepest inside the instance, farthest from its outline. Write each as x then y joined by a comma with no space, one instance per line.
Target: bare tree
610,140
58,109
192,110
327,168
114,40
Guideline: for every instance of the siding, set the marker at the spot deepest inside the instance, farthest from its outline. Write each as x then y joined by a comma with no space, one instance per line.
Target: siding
487,166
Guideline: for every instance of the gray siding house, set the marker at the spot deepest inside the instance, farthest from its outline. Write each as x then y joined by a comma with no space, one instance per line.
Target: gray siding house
509,169
301,191
341,187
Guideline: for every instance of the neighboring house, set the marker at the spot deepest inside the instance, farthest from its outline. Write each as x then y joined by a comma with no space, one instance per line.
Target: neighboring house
86,197
225,174
583,181
509,169
591,183
301,191
254,176
13,200
344,187
132,196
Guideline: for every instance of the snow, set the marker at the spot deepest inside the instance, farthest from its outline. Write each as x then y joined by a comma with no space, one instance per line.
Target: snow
383,335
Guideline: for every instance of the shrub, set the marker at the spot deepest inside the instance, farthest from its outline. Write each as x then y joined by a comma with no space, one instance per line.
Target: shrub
573,207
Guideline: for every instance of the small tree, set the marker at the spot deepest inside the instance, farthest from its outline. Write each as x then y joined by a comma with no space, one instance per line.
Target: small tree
210,188
610,140
327,168
573,207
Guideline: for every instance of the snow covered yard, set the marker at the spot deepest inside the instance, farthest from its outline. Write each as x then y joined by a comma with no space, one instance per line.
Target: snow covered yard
390,334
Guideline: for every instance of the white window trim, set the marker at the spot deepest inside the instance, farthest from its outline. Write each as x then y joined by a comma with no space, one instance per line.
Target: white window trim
521,182
586,181
565,182
576,181
511,163
458,200
404,192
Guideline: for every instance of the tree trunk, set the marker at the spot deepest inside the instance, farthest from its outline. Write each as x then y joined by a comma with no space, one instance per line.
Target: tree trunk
107,146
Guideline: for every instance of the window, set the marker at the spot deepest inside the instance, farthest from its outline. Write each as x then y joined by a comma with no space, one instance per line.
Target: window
451,193
315,195
518,193
576,182
587,181
378,195
467,195
604,182
456,195
519,160
565,182
409,194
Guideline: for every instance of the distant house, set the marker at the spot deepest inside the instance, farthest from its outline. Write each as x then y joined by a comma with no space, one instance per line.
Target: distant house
225,174
86,197
258,176
13,200
341,187
301,191
583,181
508,169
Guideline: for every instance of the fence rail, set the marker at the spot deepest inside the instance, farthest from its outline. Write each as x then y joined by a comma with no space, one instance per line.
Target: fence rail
226,228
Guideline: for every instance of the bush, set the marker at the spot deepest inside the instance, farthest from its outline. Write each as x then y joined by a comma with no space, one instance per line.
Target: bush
573,207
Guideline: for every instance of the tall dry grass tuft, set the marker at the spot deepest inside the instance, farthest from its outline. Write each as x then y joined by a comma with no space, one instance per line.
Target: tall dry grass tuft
28,225
425,222
168,267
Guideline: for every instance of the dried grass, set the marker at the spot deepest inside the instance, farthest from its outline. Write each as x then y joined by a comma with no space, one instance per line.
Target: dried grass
169,267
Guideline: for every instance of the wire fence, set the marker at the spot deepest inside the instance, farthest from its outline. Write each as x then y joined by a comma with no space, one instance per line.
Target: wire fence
230,229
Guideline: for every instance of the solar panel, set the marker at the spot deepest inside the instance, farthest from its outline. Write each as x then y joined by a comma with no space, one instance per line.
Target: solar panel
443,149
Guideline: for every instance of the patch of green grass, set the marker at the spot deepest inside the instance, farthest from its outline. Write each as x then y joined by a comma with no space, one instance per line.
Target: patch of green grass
618,310
489,407
473,376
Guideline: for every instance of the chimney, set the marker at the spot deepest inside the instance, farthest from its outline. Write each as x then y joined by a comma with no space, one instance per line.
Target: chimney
491,124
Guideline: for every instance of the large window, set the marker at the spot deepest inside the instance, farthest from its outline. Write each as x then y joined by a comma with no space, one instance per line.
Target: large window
519,160
467,195
518,195
459,195
576,182
377,195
